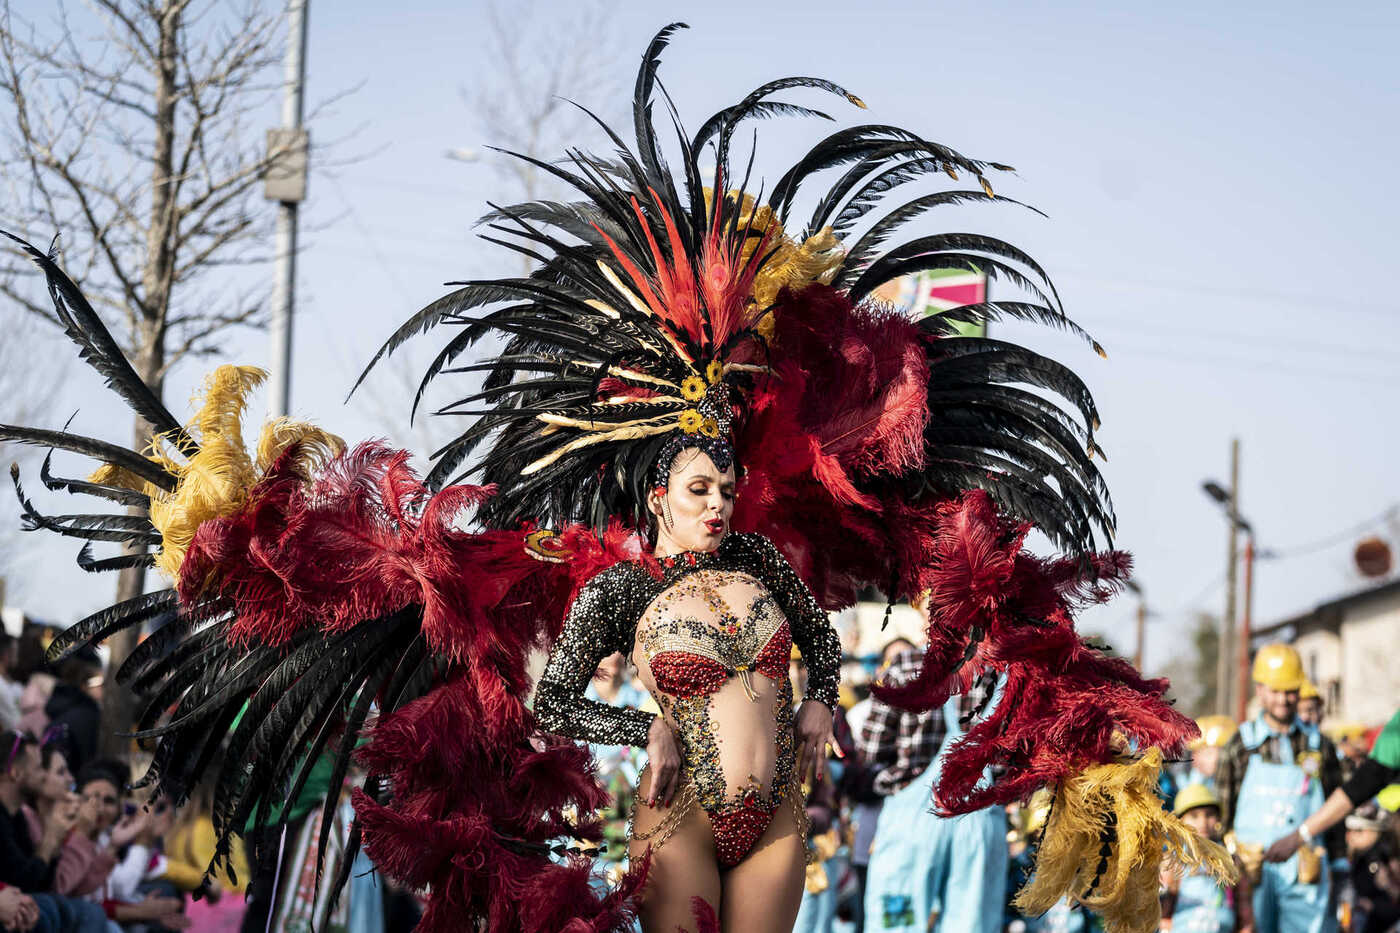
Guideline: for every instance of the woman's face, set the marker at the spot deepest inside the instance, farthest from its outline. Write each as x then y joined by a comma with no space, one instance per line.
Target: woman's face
56,782
101,803
693,513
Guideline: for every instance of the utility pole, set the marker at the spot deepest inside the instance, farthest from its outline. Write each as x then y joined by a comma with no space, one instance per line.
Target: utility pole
1141,632
285,183
1225,668
1242,699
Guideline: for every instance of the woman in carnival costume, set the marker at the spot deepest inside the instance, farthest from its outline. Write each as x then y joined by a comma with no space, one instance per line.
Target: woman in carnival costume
702,434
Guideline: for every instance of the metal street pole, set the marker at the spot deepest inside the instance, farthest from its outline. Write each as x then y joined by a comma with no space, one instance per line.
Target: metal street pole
1243,698
1224,668
285,183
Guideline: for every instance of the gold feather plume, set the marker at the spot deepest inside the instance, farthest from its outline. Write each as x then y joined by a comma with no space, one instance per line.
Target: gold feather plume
1118,881
215,481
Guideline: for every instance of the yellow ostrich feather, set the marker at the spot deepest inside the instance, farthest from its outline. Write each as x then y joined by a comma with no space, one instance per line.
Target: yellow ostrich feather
215,481
1118,802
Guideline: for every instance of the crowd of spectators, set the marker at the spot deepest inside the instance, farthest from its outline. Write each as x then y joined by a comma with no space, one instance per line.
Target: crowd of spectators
80,850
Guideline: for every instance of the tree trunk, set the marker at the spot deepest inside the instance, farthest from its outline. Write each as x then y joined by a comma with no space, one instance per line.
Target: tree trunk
119,703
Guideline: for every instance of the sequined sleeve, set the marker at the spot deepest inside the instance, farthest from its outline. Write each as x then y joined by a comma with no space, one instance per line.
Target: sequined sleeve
600,622
811,626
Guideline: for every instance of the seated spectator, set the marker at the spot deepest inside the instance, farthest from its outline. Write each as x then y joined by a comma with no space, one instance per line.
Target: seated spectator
133,843
30,864
54,792
72,711
10,689
192,842
32,702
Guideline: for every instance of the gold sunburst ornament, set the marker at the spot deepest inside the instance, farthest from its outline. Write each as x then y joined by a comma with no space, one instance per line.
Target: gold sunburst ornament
693,388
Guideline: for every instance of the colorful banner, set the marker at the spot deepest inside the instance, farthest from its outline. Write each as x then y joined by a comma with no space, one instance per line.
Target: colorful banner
937,290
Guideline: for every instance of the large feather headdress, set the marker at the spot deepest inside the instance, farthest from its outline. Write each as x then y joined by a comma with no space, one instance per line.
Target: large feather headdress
650,320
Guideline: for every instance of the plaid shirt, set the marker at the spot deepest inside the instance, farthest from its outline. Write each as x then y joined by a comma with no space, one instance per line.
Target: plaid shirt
899,745
1234,758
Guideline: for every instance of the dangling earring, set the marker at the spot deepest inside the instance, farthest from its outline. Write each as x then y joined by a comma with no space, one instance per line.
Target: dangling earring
660,492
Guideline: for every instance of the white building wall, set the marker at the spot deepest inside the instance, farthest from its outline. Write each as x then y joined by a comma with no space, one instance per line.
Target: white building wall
1321,651
1371,661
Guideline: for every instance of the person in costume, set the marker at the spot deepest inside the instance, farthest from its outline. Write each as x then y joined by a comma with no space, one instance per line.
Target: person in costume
1379,770
618,765
927,871
828,856
1310,709
710,625
702,432
1352,745
1374,851
1193,901
1274,774
1216,732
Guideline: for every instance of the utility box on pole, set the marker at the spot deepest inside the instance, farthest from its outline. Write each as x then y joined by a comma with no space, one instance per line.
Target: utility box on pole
285,179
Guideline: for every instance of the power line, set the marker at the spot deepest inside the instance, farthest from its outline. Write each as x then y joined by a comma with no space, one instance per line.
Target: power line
1299,299
1339,537
1214,360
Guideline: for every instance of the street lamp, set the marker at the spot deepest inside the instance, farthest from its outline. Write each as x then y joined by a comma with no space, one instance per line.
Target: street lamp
1237,523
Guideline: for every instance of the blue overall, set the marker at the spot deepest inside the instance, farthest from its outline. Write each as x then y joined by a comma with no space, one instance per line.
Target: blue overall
817,912
1202,906
1273,800
924,866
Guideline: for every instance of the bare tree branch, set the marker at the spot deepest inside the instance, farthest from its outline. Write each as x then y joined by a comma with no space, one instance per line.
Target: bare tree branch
131,129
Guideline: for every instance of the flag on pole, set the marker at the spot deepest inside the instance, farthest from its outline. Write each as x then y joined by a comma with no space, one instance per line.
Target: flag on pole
937,290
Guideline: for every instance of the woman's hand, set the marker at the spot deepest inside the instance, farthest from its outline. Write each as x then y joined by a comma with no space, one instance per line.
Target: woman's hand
813,733
130,827
664,757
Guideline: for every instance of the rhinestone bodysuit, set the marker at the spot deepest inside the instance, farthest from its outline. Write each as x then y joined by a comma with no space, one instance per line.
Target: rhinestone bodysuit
711,634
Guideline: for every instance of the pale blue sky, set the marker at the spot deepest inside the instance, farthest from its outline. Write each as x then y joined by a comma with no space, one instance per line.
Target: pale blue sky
1219,184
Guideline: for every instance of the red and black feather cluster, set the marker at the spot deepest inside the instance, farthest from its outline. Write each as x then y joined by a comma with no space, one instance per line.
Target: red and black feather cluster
463,798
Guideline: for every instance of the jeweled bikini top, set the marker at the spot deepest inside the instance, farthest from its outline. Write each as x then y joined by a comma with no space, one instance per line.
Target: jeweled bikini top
694,656
604,619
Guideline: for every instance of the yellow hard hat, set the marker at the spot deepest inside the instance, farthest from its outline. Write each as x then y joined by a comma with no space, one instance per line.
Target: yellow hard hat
1192,796
1308,691
1345,730
1216,731
1278,667
1389,798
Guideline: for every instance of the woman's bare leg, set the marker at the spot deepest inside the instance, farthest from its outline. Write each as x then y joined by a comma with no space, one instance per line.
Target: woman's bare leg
682,867
763,892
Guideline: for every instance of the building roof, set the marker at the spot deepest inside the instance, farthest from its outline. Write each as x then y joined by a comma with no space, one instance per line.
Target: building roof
1331,610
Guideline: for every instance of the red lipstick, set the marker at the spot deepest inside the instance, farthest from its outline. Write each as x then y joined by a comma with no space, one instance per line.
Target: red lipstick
716,525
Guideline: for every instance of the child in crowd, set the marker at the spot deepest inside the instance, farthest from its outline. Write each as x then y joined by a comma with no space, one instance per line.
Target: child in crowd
1375,869
112,853
1196,902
